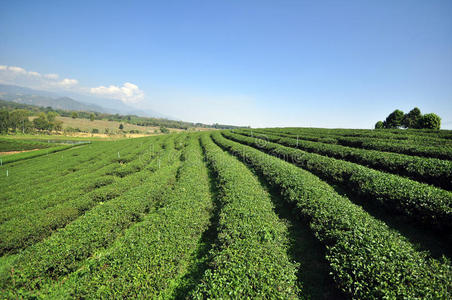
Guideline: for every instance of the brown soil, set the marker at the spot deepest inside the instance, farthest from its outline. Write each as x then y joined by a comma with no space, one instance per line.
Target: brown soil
14,152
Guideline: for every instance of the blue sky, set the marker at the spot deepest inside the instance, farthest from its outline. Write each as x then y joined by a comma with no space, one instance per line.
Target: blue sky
260,63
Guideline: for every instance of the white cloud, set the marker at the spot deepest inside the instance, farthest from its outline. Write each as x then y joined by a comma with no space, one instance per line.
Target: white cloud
66,82
128,93
51,76
17,70
35,74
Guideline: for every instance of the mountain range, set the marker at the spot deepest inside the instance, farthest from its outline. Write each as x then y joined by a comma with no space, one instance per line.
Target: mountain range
41,98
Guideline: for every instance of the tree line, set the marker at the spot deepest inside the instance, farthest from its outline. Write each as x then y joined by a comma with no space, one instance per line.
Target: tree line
412,120
130,119
18,121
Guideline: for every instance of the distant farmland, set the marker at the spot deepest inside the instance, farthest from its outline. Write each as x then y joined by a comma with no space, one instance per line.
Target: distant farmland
279,213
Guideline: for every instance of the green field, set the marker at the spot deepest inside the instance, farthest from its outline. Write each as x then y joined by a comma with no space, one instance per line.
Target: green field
276,213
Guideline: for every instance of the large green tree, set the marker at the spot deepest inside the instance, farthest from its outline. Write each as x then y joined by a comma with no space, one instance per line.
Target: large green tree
41,122
4,121
394,120
411,119
18,119
430,121
414,120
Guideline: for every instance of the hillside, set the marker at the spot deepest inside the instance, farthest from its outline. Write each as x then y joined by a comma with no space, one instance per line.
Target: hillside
45,99
80,122
276,213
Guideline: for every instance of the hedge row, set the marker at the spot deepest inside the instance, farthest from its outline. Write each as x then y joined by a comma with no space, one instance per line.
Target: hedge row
21,145
421,202
7,159
428,170
250,258
152,255
19,232
369,260
46,263
442,151
415,135
54,210
73,182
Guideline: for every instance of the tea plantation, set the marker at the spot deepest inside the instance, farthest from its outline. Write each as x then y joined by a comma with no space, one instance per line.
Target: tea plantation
275,213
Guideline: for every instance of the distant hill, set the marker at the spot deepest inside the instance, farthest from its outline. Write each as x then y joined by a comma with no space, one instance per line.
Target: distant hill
44,99
70,101
126,119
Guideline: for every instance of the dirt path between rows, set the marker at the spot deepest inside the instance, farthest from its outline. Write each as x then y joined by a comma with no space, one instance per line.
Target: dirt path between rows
14,152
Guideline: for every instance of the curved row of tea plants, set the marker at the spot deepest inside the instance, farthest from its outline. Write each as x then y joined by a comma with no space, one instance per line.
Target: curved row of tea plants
423,203
49,171
54,179
428,170
414,136
7,159
403,147
21,145
51,211
49,261
46,193
151,257
369,260
250,258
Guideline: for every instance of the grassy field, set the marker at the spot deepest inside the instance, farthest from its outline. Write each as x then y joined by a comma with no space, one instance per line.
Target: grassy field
276,213
101,125
87,126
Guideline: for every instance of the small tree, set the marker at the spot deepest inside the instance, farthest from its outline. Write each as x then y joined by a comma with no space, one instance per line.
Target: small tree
74,115
430,121
164,129
95,130
92,117
121,127
379,125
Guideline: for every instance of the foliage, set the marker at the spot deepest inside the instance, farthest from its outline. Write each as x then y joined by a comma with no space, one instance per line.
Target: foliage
429,170
4,121
368,259
47,122
164,130
411,119
414,120
251,235
394,120
423,203
430,121
176,216
164,251
410,142
21,145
